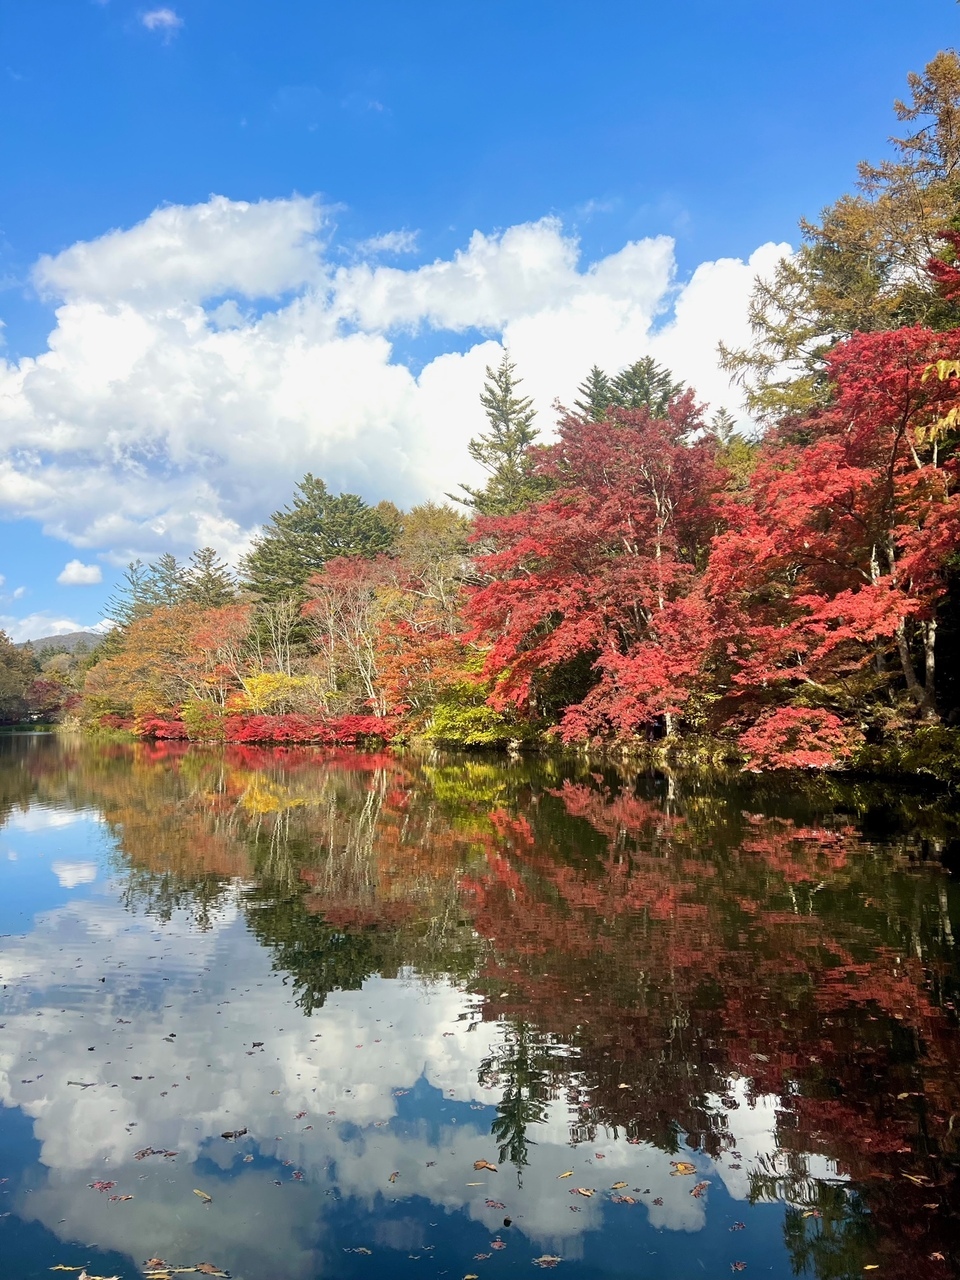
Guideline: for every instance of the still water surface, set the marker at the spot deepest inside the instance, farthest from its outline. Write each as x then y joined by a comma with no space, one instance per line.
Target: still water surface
692,1027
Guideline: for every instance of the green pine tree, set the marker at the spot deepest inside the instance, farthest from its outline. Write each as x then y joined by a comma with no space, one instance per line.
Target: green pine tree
503,451
645,384
209,582
298,540
597,395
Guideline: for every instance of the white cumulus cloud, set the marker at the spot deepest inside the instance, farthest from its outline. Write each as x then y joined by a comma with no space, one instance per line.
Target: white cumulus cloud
166,20
77,574
204,359
38,626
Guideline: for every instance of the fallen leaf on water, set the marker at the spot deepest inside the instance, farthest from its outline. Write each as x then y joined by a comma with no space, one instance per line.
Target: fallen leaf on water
394,1176
101,1186
485,1164
622,1200
248,1159
812,1213
920,1180
360,1249
547,1260
738,1266
700,1188
481,1257
738,1226
658,1200
156,1264
937,1257
494,1204
121,1197
617,1185
598,1155
681,1167
232,1134
84,1275
498,1243
582,1191
208,1269
472,1275
202,1195
476,1184
568,1174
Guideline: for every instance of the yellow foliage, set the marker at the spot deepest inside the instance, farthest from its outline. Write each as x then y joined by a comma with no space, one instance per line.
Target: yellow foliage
274,692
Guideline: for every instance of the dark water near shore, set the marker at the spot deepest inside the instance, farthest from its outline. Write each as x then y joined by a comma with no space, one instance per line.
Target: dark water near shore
318,987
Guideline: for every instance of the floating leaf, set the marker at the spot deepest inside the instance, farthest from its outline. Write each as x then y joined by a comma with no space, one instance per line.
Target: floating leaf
232,1134
617,1186
699,1189
208,1269
101,1186
682,1167
547,1260
494,1204
394,1176
202,1195
121,1197
582,1191
485,1164
568,1174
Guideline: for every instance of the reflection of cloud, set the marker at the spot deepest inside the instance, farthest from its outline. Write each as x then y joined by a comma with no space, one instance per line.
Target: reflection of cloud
755,1120
166,1043
70,874
41,818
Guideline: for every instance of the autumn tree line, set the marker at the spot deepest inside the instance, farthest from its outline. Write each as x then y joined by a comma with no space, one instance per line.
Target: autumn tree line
651,573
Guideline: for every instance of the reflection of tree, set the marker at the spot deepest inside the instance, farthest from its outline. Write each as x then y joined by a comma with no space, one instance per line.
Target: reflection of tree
319,957
521,1066
659,952
830,1236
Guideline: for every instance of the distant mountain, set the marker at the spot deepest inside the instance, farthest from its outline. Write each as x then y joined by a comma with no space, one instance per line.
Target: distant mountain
68,642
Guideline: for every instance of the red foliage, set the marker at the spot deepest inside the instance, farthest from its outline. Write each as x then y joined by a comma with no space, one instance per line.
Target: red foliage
606,569
841,541
798,738
282,730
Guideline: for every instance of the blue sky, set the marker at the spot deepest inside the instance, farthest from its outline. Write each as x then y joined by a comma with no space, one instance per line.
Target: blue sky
201,364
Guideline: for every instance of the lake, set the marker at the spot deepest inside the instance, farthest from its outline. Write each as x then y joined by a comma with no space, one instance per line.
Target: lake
292,1014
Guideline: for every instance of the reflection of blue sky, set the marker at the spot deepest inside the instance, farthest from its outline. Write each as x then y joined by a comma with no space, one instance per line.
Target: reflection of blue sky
48,856
161,1022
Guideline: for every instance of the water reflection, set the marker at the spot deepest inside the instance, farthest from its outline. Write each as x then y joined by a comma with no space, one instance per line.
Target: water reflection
378,970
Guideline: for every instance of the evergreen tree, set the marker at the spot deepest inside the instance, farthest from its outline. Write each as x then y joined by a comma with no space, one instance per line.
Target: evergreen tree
132,597
503,451
597,394
645,383
209,582
299,540
723,425
205,580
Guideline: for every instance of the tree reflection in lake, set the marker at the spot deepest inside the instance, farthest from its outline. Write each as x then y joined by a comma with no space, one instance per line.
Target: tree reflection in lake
749,976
